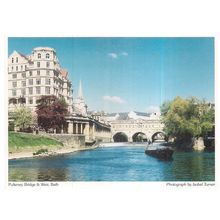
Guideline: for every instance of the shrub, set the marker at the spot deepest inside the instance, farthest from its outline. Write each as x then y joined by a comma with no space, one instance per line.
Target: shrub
41,151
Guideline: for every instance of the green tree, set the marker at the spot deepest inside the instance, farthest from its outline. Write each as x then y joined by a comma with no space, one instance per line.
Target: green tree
185,119
22,117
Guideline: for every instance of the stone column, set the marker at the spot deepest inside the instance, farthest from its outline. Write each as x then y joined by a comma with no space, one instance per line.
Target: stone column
86,131
83,128
93,132
70,127
74,128
79,128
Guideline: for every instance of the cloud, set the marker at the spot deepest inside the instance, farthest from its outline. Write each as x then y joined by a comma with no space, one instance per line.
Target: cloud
152,109
113,55
116,55
124,54
114,99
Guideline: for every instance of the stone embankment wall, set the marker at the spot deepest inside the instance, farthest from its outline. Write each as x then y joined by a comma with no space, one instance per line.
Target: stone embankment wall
199,144
102,139
70,140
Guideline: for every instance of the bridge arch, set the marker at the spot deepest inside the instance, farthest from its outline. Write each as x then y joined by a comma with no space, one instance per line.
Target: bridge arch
139,137
120,137
158,136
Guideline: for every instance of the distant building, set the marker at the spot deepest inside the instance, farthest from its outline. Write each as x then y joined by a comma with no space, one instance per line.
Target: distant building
132,115
31,76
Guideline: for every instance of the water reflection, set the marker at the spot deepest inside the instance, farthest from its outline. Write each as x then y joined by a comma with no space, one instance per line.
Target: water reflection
114,164
30,174
193,166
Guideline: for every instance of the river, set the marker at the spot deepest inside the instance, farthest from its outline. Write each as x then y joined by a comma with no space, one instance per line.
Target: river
115,164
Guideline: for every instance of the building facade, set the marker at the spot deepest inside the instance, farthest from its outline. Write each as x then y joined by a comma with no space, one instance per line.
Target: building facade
31,76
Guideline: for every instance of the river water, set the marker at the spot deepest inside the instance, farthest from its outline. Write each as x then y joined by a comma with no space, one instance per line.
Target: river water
115,164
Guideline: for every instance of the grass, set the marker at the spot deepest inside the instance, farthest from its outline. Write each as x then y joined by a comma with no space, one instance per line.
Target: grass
19,142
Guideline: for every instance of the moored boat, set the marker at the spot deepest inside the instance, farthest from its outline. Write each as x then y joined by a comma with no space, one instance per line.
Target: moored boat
160,152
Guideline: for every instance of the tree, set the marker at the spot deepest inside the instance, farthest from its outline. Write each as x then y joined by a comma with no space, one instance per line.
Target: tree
185,119
22,117
51,112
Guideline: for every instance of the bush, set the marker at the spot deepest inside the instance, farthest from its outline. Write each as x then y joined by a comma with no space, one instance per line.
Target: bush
41,151
11,126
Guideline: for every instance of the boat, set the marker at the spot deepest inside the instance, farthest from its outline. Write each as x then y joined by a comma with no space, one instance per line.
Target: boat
159,151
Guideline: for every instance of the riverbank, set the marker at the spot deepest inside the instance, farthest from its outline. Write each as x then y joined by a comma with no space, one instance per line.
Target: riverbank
24,145
21,155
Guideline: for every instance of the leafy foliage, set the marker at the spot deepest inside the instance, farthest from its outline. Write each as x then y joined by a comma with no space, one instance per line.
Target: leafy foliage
40,151
22,117
187,118
51,112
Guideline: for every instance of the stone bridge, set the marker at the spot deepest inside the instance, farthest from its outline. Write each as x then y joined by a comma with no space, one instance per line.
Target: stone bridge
136,130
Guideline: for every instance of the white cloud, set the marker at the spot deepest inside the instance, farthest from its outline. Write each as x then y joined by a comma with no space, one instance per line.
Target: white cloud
152,109
124,54
114,99
116,55
113,55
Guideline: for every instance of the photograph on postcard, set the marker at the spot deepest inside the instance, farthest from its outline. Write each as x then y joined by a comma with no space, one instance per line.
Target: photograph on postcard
111,109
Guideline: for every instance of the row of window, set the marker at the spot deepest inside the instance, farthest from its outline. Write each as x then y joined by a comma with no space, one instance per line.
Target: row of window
47,64
134,126
30,91
12,59
31,82
47,56
38,56
25,66
14,75
17,67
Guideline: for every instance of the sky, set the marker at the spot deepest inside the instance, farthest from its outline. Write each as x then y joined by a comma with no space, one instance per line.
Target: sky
125,74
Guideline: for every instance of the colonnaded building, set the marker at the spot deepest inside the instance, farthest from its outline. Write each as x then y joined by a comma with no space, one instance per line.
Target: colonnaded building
31,76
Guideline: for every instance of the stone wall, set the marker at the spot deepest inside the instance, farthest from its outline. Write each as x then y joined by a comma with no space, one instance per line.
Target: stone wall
103,139
199,144
70,140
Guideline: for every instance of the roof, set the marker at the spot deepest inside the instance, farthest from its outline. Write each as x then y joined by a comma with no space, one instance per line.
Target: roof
124,115
44,48
64,73
111,114
22,55
142,114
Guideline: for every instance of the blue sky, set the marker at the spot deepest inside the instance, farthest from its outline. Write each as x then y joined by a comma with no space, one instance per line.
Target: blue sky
123,74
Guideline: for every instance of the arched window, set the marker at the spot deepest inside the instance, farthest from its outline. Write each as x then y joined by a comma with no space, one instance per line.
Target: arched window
38,55
12,60
47,56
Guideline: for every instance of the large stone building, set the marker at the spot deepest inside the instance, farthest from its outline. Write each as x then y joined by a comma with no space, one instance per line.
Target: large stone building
31,76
